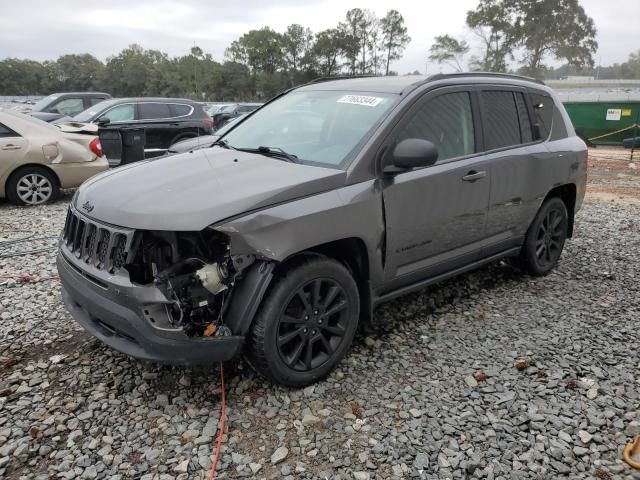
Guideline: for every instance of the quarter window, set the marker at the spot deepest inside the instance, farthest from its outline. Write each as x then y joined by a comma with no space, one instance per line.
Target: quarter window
543,111
153,111
501,120
6,132
447,122
180,109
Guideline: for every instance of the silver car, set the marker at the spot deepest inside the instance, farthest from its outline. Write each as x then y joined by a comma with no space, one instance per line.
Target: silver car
331,199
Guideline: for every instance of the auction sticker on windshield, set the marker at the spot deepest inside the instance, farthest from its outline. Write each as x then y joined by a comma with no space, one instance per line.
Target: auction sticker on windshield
361,100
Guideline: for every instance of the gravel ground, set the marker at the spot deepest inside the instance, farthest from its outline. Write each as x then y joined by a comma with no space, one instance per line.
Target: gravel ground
490,375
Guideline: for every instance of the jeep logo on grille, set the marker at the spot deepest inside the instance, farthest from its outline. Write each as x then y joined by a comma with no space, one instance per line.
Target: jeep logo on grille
87,206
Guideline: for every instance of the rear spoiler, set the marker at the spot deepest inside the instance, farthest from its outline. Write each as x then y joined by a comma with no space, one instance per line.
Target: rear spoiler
77,127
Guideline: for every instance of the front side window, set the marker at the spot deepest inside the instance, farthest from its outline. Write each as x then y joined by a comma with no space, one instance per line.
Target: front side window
121,113
154,111
501,119
447,122
318,127
68,106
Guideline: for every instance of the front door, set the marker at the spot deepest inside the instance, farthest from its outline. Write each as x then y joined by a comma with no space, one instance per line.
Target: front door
436,216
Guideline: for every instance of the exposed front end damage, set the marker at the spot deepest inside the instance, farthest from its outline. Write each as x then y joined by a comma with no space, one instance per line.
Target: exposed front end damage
194,271
175,297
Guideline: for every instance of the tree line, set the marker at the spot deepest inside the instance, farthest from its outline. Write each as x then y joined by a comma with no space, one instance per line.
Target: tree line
256,66
263,62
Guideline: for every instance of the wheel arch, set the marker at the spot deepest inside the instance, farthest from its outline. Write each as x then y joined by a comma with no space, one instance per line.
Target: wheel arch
568,194
350,252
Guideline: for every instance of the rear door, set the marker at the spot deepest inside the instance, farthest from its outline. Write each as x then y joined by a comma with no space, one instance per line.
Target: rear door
436,216
516,161
160,128
13,148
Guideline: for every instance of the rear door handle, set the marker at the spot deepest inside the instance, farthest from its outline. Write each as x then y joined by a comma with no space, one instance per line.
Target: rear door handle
11,147
472,176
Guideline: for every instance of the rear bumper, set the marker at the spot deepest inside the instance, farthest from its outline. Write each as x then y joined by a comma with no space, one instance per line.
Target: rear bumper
72,175
113,313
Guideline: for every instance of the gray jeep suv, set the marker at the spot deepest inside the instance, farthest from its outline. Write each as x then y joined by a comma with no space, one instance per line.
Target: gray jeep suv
332,198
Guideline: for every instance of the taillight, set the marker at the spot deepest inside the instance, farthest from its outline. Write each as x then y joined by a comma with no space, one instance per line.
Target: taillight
96,147
209,122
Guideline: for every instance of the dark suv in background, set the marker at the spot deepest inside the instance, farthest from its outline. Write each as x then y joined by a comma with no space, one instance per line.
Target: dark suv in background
334,197
60,105
165,121
229,112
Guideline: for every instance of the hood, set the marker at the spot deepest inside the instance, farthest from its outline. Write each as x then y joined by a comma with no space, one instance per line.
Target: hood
190,191
194,143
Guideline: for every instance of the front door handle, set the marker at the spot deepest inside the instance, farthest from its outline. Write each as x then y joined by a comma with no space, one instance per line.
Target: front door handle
472,176
11,147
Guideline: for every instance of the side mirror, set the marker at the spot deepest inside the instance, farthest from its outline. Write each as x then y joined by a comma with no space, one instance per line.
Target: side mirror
104,121
411,153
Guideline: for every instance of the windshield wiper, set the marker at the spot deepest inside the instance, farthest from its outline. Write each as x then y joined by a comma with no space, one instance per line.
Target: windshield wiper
278,152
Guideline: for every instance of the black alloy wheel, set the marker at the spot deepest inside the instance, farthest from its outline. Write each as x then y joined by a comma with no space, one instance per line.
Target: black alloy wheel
545,238
306,322
313,324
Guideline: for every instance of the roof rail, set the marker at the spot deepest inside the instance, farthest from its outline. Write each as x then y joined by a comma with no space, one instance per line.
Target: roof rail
512,76
338,77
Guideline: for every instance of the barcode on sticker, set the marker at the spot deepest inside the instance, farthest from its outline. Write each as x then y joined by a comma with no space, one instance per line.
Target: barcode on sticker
360,100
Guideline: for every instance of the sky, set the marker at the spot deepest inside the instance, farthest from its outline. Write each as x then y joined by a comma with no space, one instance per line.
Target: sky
42,29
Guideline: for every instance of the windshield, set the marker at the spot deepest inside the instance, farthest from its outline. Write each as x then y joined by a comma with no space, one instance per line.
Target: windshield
40,105
318,127
90,114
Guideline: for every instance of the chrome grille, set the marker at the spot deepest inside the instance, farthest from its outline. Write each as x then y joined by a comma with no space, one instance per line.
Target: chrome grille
101,246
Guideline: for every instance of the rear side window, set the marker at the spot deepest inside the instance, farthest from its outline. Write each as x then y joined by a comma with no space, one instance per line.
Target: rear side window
6,132
151,111
543,111
501,120
180,109
446,121
95,100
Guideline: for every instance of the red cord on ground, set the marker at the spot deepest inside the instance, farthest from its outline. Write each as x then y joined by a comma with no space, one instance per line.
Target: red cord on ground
214,462
28,278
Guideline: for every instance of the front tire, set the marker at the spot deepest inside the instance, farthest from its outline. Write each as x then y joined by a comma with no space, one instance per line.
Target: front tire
545,238
32,186
305,324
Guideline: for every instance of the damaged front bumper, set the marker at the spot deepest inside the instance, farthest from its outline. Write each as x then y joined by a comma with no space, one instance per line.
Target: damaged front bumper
175,316
114,313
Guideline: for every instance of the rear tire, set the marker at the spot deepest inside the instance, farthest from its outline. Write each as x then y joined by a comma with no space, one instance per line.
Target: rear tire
545,238
305,324
32,186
